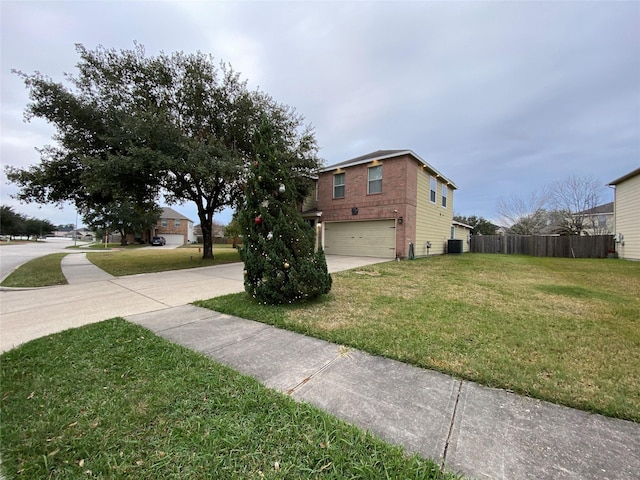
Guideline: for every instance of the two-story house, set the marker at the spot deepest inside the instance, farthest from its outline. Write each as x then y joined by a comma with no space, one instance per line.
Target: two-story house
381,203
174,227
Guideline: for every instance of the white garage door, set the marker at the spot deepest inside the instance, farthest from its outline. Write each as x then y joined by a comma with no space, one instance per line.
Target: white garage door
174,239
376,238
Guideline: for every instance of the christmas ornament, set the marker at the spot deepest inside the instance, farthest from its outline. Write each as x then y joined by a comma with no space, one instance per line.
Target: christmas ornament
269,235
265,204
259,178
286,265
282,188
255,164
246,273
258,219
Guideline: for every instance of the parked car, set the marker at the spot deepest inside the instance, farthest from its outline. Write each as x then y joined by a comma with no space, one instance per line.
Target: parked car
158,241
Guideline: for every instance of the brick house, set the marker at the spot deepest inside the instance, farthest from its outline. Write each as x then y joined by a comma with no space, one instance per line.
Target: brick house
174,227
380,203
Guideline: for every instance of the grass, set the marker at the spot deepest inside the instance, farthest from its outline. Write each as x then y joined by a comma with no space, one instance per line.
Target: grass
112,400
132,262
562,330
46,271
101,246
39,272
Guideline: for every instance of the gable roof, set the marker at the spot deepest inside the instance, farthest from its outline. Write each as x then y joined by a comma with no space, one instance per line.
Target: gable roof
383,155
604,208
626,177
460,224
168,212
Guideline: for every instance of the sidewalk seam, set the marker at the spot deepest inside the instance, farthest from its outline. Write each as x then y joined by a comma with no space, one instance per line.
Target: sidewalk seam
453,419
225,345
114,282
306,380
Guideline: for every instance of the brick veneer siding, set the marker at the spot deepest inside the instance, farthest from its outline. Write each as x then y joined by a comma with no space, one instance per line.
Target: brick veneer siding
399,192
171,228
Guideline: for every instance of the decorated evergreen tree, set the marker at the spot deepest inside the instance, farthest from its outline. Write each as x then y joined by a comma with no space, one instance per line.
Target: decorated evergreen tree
281,264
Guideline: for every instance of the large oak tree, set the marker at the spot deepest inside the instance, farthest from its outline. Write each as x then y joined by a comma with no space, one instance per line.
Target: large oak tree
132,128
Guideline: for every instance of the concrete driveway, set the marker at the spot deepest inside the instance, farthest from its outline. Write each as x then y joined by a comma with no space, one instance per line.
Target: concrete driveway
31,313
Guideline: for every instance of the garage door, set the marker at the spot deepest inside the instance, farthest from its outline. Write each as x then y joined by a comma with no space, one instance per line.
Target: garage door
375,238
174,239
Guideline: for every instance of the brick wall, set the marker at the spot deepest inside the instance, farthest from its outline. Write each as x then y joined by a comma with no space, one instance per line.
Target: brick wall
171,229
399,192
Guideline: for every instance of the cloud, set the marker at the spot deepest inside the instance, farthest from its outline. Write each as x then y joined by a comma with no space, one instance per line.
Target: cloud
502,97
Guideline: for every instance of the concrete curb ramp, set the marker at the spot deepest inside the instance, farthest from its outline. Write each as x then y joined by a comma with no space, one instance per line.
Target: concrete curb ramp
478,431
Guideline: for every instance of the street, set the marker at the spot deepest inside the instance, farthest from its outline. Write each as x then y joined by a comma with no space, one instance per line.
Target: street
12,256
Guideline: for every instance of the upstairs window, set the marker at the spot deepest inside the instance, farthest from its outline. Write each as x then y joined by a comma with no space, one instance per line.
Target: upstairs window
177,222
444,195
164,222
338,185
375,179
434,185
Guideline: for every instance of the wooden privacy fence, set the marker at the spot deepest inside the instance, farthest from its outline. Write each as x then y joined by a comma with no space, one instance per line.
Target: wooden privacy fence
570,246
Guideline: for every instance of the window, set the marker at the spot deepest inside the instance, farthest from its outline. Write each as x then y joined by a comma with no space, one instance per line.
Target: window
177,222
602,221
434,184
453,232
338,185
164,222
375,179
444,195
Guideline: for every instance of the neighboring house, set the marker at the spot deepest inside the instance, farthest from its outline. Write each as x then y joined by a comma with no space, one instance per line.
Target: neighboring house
174,227
217,230
378,204
597,220
627,215
462,231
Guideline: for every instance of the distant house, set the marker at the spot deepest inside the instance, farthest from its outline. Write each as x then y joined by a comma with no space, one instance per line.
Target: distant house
217,230
597,220
174,227
627,215
378,204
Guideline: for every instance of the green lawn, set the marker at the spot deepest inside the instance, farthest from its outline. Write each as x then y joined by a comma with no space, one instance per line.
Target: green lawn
108,247
563,330
46,271
112,400
39,272
150,260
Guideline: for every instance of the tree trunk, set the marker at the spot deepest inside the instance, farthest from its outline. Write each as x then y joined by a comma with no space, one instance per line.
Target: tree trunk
206,223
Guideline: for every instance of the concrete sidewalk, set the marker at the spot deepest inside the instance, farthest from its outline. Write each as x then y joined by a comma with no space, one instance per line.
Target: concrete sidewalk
474,430
77,269
481,432
92,295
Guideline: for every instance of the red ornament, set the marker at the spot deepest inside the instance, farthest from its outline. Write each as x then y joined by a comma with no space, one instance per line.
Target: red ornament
258,219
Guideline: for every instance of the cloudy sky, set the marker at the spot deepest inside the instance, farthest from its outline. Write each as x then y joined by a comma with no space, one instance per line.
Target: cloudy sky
501,97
